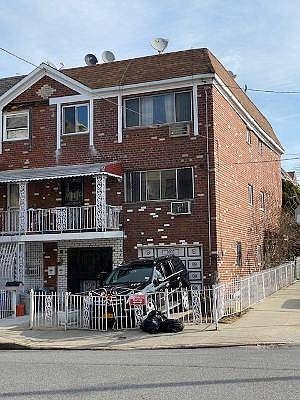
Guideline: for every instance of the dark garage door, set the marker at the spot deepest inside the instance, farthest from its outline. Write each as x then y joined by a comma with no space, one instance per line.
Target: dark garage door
88,267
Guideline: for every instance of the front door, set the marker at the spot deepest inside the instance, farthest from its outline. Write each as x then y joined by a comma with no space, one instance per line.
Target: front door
88,267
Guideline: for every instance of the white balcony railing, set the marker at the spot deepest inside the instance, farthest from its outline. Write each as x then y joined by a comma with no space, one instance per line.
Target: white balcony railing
59,219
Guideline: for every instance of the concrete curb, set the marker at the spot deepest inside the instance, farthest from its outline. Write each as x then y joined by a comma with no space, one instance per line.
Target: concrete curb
17,346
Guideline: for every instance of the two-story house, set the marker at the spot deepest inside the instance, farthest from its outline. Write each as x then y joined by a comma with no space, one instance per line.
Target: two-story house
133,158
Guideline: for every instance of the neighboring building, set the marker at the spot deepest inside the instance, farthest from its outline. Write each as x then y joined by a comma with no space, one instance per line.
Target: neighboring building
134,158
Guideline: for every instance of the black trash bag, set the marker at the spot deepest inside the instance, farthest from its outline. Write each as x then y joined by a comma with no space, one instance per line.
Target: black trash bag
171,326
152,322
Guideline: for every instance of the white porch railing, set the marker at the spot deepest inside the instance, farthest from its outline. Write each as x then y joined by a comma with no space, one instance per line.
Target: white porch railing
59,219
7,304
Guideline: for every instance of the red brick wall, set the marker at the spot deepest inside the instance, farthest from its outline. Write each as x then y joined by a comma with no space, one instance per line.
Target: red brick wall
152,148
237,165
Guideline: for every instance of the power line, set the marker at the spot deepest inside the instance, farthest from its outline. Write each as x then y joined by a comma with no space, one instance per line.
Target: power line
18,57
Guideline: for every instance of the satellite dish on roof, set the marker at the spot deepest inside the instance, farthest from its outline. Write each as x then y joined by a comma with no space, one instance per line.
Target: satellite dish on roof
159,44
90,59
108,56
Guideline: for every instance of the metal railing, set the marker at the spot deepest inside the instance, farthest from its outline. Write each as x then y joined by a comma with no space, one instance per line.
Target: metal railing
103,312
7,304
238,296
59,219
206,306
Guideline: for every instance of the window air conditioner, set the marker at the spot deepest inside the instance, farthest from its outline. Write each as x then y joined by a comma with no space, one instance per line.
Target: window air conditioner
179,129
180,207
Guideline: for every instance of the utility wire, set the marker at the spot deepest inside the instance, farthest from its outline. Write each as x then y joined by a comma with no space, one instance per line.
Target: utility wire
18,57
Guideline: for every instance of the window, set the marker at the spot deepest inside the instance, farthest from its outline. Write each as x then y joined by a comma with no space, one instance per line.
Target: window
239,254
260,146
158,109
16,126
72,192
250,195
75,119
259,255
262,201
166,184
248,136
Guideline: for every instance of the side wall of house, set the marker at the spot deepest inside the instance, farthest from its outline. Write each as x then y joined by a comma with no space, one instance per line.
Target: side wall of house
237,165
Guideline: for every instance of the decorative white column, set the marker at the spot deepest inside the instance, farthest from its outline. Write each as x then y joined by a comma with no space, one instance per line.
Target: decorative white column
21,261
101,217
91,123
58,129
22,207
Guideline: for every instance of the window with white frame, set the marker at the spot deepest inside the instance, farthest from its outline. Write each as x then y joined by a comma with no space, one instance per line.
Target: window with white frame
248,136
165,184
158,109
16,125
260,146
250,195
75,119
262,201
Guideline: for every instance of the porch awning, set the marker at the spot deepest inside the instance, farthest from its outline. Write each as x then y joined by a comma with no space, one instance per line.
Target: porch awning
64,171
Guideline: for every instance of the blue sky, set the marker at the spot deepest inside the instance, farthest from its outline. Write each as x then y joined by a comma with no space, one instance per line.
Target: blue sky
258,40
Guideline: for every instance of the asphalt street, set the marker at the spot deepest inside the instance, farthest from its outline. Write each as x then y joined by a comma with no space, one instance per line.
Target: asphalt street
233,373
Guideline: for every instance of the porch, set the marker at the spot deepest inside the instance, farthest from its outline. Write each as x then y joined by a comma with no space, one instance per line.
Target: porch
29,209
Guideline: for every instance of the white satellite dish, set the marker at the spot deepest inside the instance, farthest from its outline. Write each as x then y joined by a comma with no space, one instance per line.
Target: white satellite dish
159,44
108,56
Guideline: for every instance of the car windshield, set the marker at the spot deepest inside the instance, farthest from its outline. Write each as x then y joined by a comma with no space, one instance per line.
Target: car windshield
131,274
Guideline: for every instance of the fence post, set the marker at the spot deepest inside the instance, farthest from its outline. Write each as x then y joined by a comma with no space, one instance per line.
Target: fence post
66,309
31,309
167,303
14,303
215,307
263,285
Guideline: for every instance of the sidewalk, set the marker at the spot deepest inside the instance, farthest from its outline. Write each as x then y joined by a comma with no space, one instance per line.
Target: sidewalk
275,321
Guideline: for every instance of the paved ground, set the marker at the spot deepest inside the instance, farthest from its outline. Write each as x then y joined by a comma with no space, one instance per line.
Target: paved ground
276,320
264,373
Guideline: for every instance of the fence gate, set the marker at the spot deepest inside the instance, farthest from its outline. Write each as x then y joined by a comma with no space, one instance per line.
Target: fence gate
7,304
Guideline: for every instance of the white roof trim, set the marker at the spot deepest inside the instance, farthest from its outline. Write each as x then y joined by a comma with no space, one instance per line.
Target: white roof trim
226,92
35,76
66,171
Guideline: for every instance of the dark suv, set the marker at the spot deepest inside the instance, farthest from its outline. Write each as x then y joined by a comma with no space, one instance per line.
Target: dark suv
161,282
148,276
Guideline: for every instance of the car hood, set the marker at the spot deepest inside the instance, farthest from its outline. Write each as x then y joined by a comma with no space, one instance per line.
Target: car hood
124,289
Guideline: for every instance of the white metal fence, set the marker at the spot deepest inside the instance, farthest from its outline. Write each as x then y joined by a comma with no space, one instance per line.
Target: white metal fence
7,304
101,312
237,296
196,306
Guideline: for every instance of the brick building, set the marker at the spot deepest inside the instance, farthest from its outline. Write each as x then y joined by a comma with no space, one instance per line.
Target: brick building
133,158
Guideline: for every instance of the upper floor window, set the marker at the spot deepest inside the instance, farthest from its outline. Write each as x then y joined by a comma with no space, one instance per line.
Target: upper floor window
250,195
158,109
260,146
262,201
75,118
166,184
16,125
248,136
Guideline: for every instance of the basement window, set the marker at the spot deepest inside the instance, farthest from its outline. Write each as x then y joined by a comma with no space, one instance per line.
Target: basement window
16,126
75,119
